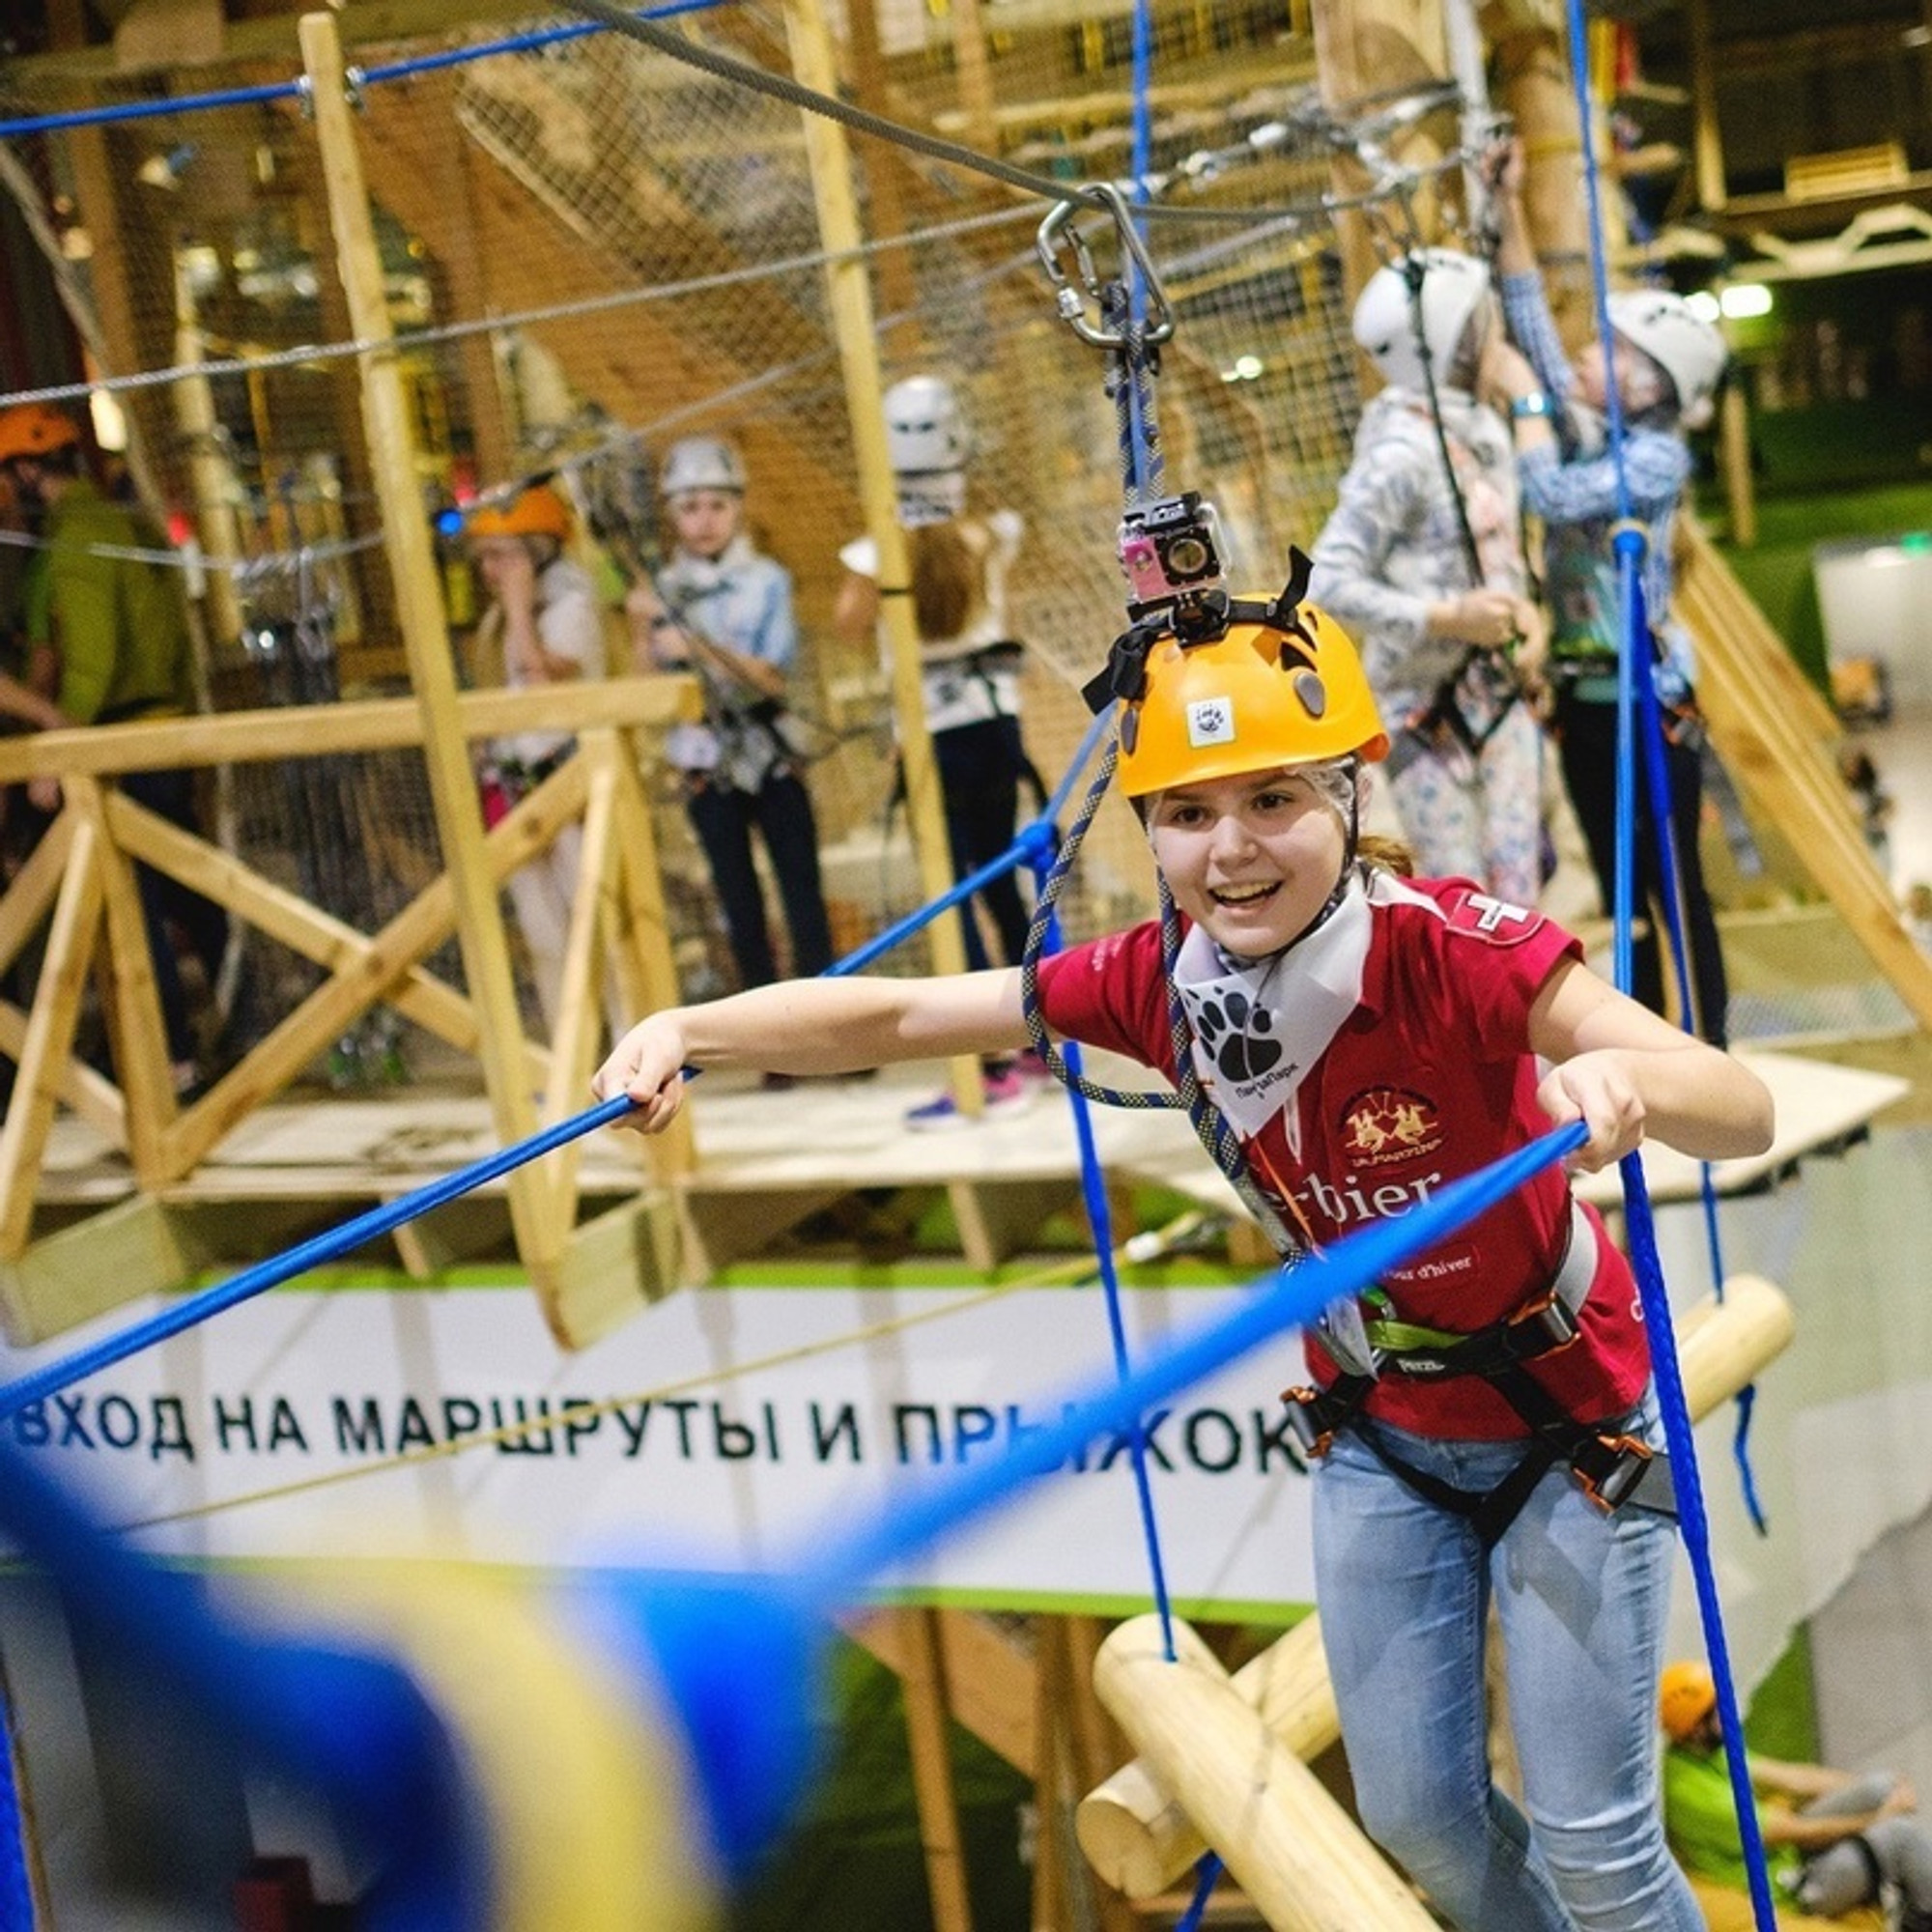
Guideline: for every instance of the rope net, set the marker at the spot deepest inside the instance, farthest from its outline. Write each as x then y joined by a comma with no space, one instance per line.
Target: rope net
591,248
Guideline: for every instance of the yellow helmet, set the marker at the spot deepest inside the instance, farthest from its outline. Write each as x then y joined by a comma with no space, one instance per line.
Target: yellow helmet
536,512
1686,1694
36,429
1255,686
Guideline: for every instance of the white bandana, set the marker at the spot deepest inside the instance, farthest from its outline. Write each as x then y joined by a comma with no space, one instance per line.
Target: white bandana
1258,1027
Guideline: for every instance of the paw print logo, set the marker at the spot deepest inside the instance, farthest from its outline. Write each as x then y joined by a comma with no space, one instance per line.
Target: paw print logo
1237,1035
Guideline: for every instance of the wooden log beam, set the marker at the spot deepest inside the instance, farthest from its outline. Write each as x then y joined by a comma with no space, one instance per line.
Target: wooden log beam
1136,1829
1303,1861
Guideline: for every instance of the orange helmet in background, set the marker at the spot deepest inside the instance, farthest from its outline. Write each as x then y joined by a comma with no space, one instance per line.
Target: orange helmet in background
536,512
1686,1694
1280,684
36,429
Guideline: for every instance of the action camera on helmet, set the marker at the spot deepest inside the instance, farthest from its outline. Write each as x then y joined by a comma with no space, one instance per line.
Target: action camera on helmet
1170,552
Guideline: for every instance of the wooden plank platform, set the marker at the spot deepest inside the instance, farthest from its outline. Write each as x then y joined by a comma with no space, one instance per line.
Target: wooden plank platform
768,1160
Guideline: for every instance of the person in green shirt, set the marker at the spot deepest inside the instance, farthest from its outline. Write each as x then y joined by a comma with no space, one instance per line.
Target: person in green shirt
1834,1840
112,627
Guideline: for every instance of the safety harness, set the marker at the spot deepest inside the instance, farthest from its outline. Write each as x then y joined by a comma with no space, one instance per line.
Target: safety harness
1611,1469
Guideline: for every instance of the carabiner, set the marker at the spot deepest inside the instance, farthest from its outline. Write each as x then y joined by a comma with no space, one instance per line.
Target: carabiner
1072,299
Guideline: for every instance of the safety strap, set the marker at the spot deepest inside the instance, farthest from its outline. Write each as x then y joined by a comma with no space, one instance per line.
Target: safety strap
1612,1469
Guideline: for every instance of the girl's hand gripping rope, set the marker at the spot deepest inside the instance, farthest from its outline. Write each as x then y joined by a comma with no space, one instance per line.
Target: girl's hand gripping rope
648,1063
1595,1088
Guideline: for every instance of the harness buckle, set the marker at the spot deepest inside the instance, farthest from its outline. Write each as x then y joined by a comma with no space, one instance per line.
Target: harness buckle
1309,1429
1611,1484
1549,1326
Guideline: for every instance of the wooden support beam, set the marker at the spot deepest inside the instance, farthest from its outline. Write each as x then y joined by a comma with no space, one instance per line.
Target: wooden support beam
325,730
387,419
92,1096
137,1032
366,974
989,1673
999,1219
49,1037
645,964
271,909
31,894
1770,728
1137,1831
613,1266
928,1732
136,1247
853,328
1706,141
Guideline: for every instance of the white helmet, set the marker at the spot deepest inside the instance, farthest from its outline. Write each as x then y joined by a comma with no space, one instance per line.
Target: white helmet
926,434
1452,286
1687,348
700,463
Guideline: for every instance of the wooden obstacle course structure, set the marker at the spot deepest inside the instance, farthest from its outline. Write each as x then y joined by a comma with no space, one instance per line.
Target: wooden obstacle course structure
1140,1831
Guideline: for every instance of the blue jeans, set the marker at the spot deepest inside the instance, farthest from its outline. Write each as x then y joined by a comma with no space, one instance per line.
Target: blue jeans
1404,1589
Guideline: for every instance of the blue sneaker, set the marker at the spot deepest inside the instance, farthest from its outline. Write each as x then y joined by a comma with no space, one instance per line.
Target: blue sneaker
1005,1092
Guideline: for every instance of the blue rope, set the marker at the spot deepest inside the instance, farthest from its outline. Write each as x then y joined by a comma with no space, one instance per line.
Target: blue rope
836,1570
148,110
1695,1524
192,1309
17,1886
1208,1874
521,44
1633,663
1100,1220
290,90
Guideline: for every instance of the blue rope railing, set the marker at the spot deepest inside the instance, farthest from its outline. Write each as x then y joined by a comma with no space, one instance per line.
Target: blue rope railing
1633,672
118,111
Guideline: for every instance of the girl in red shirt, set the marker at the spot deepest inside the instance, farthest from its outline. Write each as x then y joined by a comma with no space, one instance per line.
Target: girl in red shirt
1370,1040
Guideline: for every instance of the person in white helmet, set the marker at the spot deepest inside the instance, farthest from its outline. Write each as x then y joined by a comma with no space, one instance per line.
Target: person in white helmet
723,608
1422,559
971,681
1665,363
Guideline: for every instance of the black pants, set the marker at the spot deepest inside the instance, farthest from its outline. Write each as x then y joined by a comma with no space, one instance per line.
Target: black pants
781,812
1587,735
166,902
980,767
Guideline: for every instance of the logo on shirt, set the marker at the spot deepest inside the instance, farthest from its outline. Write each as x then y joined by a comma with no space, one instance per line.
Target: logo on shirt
1495,919
1234,1034
1390,1123
1210,721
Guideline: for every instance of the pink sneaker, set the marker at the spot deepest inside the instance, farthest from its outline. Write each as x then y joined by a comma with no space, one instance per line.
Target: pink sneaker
1007,1092
1031,1065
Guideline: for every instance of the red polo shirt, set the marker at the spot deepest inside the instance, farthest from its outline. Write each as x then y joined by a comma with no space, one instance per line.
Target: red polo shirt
1428,1080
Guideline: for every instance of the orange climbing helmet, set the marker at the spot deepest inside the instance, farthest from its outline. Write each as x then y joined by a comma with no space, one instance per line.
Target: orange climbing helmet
1686,1694
1217,686
36,429
535,512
